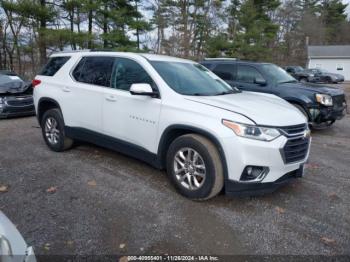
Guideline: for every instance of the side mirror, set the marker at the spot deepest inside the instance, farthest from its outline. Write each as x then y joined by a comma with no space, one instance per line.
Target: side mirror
142,90
260,81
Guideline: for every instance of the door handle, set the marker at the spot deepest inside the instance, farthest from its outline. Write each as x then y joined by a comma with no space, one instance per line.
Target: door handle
111,98
66,89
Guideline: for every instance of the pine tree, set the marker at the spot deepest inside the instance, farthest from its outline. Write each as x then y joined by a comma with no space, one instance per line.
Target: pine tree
333,16
256,31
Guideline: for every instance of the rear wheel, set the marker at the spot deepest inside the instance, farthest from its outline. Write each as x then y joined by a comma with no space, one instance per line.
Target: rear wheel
194,167
52,126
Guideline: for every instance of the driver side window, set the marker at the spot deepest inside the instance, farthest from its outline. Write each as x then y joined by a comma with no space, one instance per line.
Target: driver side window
248,74
127,72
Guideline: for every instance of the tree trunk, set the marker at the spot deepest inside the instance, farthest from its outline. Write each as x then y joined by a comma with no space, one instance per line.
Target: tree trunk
185,38
137,29
90,25
105,27
42,41
71,18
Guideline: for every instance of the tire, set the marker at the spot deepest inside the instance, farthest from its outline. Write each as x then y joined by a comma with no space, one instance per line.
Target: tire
329,80
210,180
302,110
52,126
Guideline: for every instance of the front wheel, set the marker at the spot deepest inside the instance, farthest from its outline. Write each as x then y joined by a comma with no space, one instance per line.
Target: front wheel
194,167
52,126
330,81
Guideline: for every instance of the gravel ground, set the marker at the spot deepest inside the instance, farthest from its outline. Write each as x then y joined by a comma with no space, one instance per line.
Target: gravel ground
93,201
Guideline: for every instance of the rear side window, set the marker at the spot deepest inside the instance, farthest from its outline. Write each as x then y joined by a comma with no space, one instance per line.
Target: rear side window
225,71
94,70
54,64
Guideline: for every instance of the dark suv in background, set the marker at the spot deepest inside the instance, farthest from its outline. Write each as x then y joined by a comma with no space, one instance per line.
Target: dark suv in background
298,73
322,105
16,95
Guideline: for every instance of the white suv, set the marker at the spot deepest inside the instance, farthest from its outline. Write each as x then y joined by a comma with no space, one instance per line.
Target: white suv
174,114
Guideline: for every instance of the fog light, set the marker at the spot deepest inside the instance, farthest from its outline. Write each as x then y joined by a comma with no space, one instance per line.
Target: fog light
314,113
254,173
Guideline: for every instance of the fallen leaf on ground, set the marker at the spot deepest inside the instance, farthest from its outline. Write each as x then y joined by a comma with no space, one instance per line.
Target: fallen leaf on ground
47,246
280,210
3,188
69,242
333,196
312,166
51,190
121,246
328,241
92,183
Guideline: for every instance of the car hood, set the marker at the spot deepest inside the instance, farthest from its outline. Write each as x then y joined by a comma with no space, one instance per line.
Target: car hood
316,88
263,109
15,87
10,237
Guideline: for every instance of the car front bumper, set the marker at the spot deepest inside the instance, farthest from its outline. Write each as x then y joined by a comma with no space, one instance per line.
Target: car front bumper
242,152
17,106
233,188
323,114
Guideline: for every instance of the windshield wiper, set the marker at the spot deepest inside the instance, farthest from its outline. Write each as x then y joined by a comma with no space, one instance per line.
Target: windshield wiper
227,92
198,94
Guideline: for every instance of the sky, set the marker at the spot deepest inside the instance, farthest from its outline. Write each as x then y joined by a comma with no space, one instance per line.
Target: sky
348,8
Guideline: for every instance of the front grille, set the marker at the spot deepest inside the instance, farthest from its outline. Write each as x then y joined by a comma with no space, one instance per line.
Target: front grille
338,101
294,130
20,102
295,149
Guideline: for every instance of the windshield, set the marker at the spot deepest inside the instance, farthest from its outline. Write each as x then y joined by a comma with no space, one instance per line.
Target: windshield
191,79
323,71
277,74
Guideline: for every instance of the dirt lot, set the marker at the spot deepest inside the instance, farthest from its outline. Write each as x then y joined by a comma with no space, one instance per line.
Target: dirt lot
93,201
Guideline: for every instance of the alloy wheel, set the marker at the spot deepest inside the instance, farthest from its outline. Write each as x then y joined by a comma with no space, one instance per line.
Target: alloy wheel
52,132
189,168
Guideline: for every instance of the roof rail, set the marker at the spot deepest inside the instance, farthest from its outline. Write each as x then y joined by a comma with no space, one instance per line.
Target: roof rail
72,51
102,50
222,58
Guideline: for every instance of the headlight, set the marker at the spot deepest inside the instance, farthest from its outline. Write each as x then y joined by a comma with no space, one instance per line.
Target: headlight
253,132
324,99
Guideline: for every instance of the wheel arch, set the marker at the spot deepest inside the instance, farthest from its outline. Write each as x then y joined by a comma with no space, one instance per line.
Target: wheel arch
174,131
46,103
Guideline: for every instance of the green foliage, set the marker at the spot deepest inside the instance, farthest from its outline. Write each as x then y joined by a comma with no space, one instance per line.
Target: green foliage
249,29
333,15
218,45
255,30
